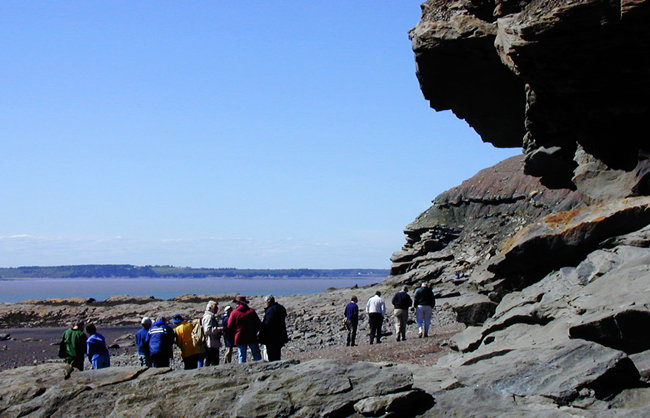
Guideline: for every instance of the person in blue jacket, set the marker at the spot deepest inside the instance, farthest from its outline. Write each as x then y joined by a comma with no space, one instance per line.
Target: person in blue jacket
352,320
97,351
142,344
161,338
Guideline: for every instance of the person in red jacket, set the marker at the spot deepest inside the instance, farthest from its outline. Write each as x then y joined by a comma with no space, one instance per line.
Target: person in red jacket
244,324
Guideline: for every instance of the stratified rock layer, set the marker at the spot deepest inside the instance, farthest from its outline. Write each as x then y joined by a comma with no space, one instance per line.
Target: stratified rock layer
566,80
544,257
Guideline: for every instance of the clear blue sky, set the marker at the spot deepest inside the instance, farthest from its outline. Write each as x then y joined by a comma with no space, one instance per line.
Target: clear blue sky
218,133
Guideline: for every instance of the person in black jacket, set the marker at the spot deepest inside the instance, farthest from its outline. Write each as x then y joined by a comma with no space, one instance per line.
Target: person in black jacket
273,332
424,303
401,304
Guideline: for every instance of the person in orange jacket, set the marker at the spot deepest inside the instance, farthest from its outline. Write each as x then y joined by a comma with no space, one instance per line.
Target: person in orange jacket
189,352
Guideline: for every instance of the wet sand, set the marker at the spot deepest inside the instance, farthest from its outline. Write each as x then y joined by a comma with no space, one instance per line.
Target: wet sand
29,346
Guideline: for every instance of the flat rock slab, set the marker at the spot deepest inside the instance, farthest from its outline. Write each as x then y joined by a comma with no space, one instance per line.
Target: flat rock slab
312,389
554,371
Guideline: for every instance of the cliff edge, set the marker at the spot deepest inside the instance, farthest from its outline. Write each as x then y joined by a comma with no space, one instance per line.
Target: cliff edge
543,257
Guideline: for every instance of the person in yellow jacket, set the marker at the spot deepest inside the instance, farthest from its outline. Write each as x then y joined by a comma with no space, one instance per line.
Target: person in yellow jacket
189,352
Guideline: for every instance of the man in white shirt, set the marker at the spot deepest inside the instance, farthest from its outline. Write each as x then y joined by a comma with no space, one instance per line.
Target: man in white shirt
376,309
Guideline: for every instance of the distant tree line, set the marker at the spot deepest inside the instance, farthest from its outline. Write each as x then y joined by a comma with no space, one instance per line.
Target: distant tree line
126,270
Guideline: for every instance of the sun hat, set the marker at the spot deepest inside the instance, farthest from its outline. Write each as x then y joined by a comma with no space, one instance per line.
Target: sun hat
241,299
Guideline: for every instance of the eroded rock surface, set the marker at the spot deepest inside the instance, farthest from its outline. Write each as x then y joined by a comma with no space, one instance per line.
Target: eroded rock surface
319,388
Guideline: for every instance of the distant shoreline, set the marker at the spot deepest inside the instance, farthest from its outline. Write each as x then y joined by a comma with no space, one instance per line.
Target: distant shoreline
114,271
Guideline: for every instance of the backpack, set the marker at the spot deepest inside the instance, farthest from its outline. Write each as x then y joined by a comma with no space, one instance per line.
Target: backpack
198,336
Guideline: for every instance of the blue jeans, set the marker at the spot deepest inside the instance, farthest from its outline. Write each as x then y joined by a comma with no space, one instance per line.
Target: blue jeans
255,349
101,362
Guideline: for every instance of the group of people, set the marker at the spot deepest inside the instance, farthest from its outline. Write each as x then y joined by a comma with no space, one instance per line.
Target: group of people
75,346
422,303
200,340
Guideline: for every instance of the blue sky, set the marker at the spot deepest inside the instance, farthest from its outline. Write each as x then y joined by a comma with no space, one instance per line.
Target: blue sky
218,133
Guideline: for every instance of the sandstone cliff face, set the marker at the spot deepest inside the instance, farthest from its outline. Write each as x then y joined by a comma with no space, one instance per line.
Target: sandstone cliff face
565,80
543,257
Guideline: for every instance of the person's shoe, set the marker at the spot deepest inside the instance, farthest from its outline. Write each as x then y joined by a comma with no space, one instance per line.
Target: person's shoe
398,339
419,335
353,345
378,342
426,335
370,342
347,344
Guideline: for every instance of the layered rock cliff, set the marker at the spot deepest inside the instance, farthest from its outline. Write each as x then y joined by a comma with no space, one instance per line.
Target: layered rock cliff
543,257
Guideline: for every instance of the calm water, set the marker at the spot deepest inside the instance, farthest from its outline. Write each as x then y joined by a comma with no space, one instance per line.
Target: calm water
100,289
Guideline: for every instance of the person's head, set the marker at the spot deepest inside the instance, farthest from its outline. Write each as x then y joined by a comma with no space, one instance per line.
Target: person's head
212,306
91,329
177,319
227,309
79,324
378,293
425,284
269,299
146,322
161,319
241,300
405,288
354,299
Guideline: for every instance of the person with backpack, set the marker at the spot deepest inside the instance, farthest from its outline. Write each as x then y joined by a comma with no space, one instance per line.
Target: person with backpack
424,301
212,332
198,337
184,341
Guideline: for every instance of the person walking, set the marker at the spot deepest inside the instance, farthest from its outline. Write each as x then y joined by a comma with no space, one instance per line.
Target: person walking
227,337
161,339
74,341
244,325
273,332
212,332
401,304
96,350
352,321
189,352
424,302
376,308
141,342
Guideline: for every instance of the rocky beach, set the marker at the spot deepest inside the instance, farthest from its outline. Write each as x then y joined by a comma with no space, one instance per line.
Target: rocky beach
540,263
314,324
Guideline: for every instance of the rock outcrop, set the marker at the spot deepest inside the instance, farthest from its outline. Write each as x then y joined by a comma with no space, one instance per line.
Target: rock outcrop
543,257
318,388
565,80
